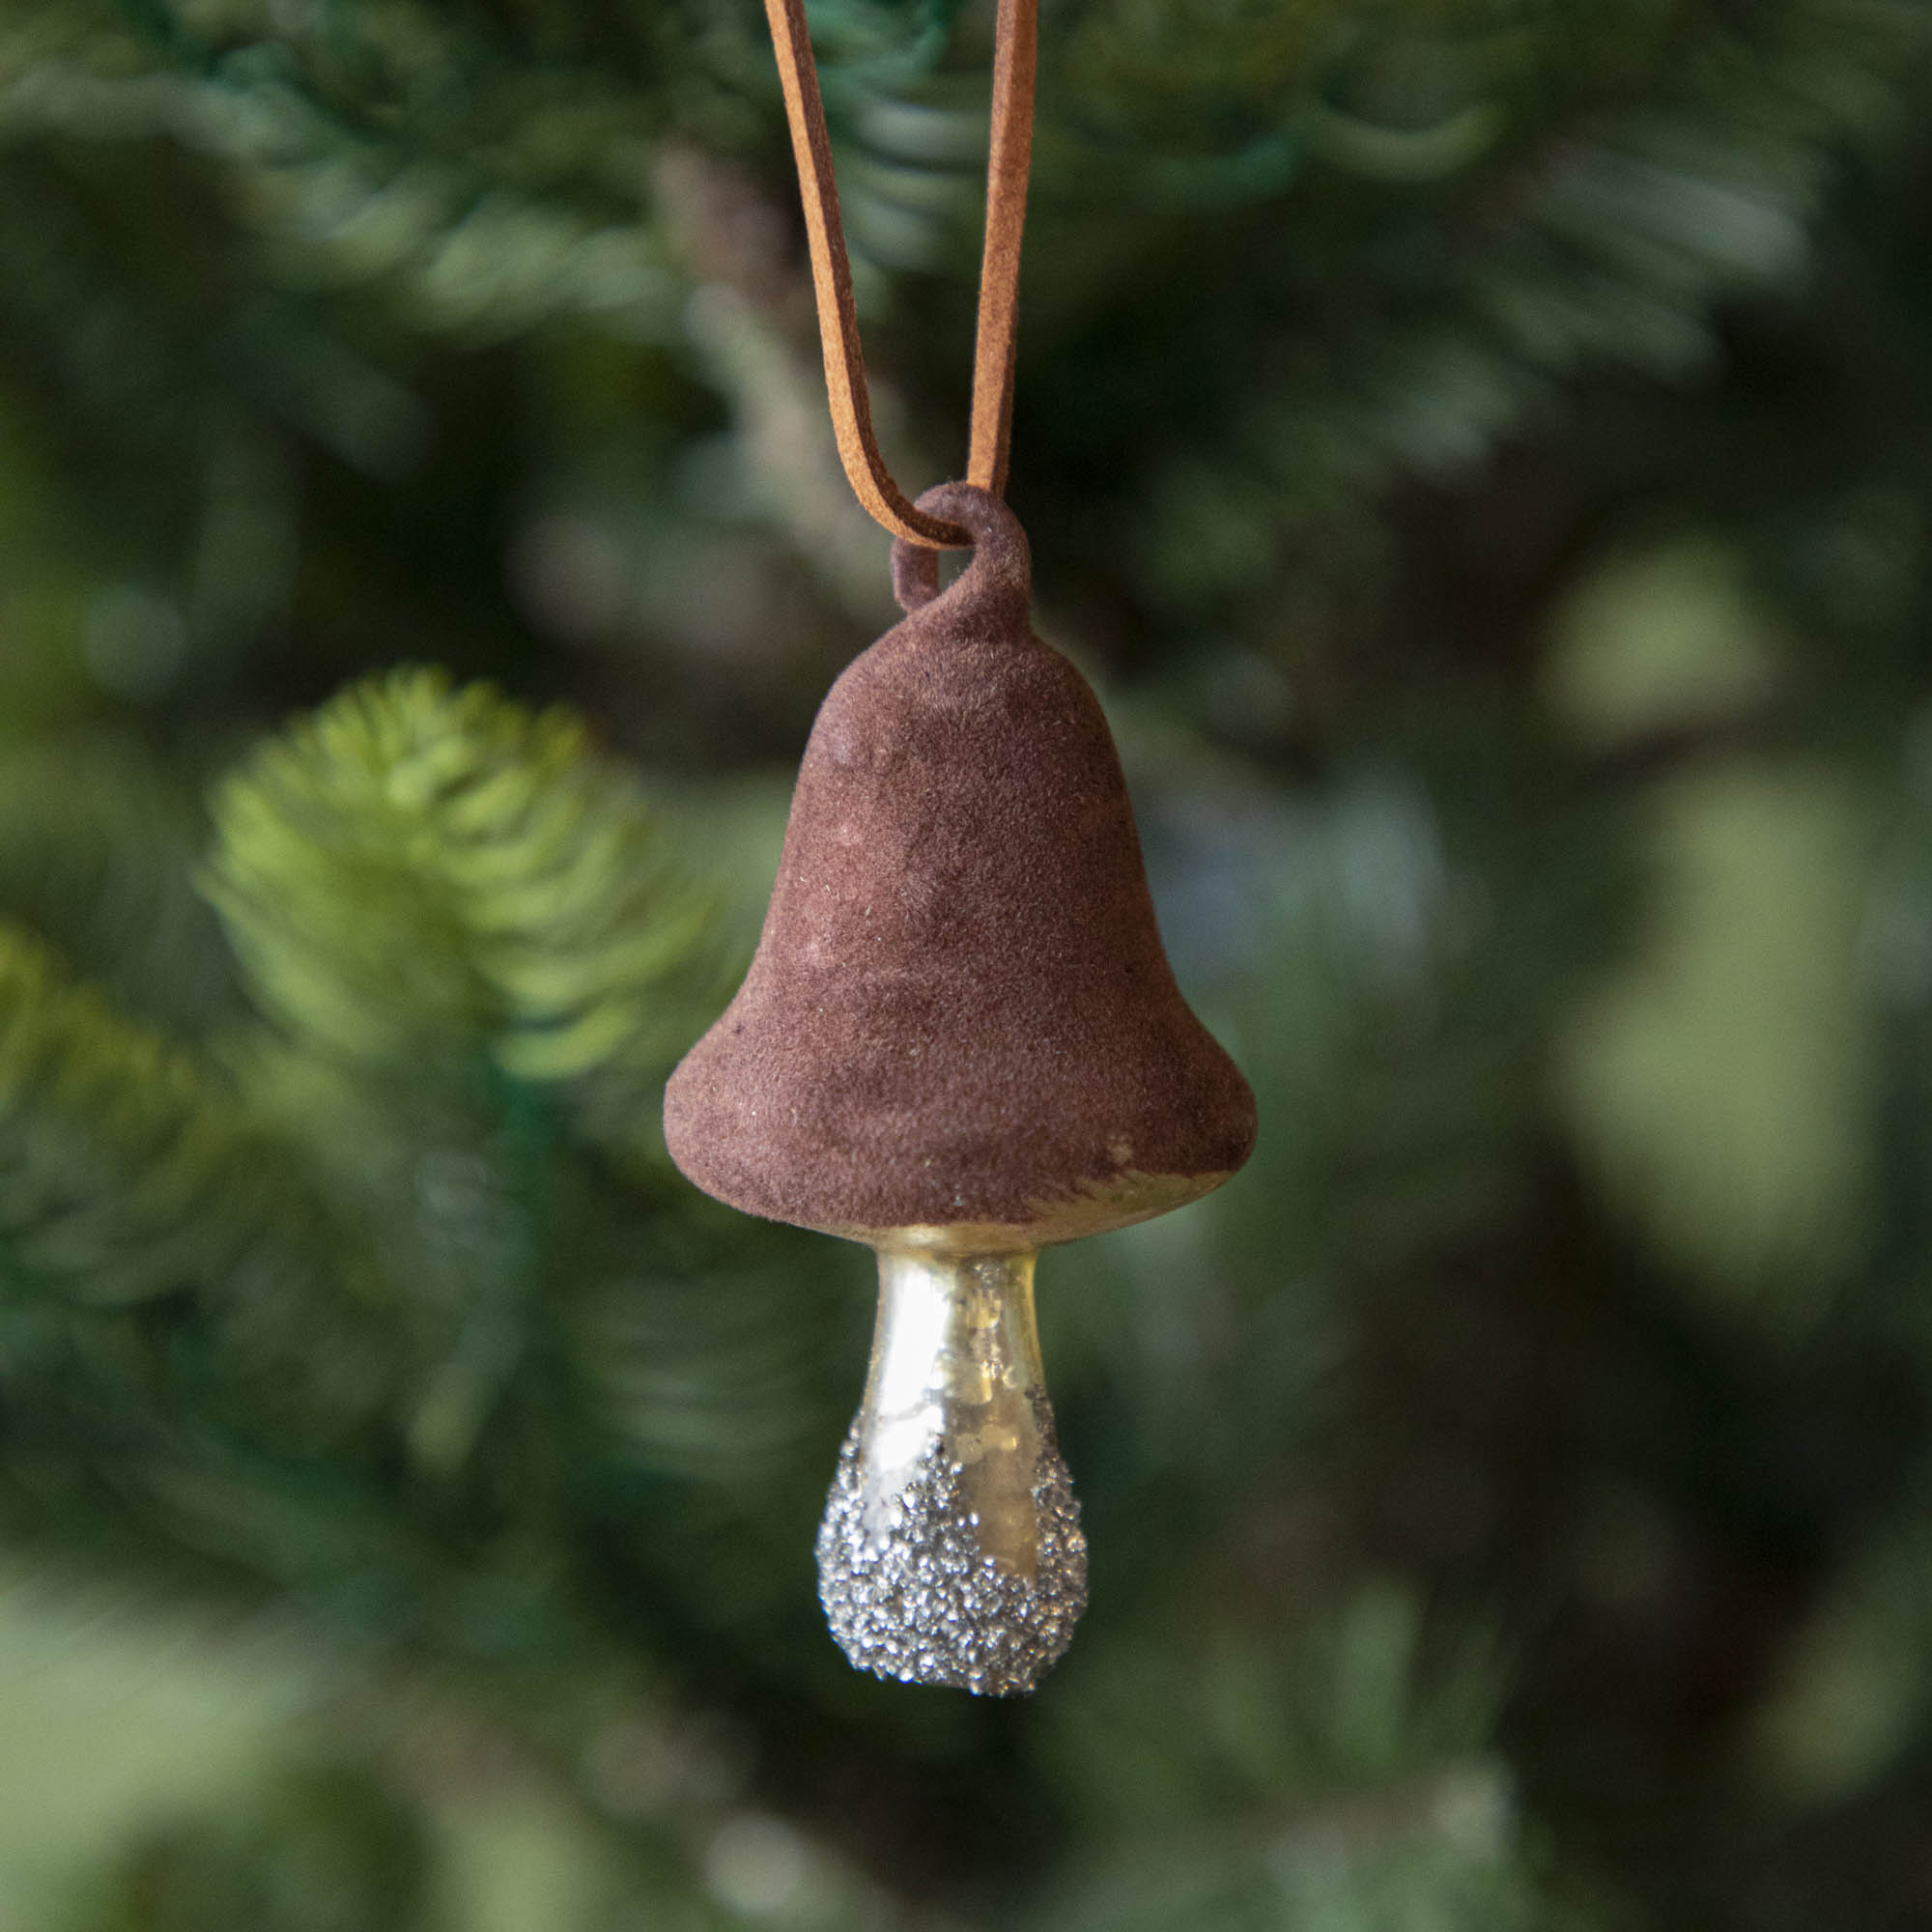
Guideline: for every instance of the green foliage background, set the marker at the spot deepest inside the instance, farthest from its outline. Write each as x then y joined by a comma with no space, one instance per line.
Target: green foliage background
1480,450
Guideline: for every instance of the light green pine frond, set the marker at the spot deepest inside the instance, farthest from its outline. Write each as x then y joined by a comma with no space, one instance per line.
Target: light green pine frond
418,874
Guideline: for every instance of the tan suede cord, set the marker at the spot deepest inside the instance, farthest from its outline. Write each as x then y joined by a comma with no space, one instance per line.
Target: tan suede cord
1008,163
1010,160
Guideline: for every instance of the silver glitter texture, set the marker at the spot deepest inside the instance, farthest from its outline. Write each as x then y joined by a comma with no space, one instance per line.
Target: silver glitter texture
924,1604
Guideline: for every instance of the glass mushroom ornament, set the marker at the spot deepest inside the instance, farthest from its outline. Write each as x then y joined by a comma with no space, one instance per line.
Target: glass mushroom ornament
959,1041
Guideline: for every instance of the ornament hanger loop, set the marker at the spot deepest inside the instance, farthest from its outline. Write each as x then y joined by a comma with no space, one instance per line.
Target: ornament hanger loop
1000,576
1009,161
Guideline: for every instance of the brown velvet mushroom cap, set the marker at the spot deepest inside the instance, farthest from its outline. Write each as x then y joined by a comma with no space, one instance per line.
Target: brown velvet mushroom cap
960,1031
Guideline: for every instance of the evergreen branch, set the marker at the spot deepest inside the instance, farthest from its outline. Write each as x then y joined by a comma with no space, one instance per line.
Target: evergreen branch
107,879
421,874
489,207
128,1174
1337,1775
115,1148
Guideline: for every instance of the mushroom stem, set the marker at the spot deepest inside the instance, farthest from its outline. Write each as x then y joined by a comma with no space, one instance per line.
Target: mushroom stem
951,1550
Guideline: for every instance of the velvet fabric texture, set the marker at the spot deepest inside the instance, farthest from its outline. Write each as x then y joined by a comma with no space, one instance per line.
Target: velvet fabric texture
959,1011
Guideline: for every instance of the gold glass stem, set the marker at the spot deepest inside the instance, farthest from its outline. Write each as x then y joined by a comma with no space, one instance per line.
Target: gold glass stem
955,1362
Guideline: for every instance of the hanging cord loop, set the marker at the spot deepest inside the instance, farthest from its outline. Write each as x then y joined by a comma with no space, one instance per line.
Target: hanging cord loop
1009,160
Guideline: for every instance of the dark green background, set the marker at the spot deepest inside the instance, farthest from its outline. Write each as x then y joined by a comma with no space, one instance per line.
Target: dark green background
1482,452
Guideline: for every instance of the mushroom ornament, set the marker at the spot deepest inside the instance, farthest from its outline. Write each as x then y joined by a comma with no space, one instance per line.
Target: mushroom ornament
959,1041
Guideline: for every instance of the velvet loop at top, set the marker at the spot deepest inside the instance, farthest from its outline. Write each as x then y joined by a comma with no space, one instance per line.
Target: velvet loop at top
1002,566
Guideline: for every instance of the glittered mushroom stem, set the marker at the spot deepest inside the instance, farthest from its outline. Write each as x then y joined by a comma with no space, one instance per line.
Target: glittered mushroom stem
951,1550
